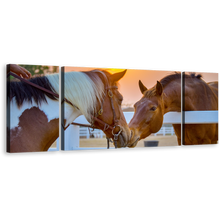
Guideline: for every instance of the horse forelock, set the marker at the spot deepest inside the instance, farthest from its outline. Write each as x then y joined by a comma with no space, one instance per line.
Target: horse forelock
150,92
96,74
103,74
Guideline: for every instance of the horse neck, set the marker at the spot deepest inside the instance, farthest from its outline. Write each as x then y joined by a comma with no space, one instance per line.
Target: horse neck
70,114
172,97
199,96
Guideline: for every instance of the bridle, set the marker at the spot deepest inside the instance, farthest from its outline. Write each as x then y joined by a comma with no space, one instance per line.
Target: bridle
108,91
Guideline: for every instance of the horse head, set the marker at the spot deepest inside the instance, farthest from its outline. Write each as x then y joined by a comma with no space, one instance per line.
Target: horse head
148,116
110,112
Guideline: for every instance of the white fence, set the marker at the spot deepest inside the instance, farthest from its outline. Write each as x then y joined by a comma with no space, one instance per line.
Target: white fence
87,132
165,131
96,133
72,133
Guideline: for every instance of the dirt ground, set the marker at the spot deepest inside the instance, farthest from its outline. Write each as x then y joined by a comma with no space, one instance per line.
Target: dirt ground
102,142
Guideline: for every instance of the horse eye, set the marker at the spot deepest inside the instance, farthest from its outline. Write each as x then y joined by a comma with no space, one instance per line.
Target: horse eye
153,108
120,100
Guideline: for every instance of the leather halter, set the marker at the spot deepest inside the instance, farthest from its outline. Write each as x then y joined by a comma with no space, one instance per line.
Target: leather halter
115,120
108,90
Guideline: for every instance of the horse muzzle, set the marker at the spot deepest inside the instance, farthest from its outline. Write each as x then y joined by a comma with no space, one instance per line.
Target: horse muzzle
122,137
134,139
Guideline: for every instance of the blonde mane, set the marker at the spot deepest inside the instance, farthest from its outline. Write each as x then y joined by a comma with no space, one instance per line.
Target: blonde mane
83,91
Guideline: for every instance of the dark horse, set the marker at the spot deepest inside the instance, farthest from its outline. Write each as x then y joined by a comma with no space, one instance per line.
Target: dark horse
165,97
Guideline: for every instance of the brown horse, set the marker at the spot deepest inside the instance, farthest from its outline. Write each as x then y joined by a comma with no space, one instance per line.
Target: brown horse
166,97
33,115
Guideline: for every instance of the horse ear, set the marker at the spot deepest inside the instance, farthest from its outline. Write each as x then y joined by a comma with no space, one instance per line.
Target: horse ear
159,88
115,77
142,87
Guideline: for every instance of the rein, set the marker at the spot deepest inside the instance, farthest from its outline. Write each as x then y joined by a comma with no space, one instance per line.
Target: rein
95,118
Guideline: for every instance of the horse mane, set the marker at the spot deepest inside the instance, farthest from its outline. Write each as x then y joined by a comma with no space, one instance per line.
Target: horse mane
22,91
167,79
84,89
